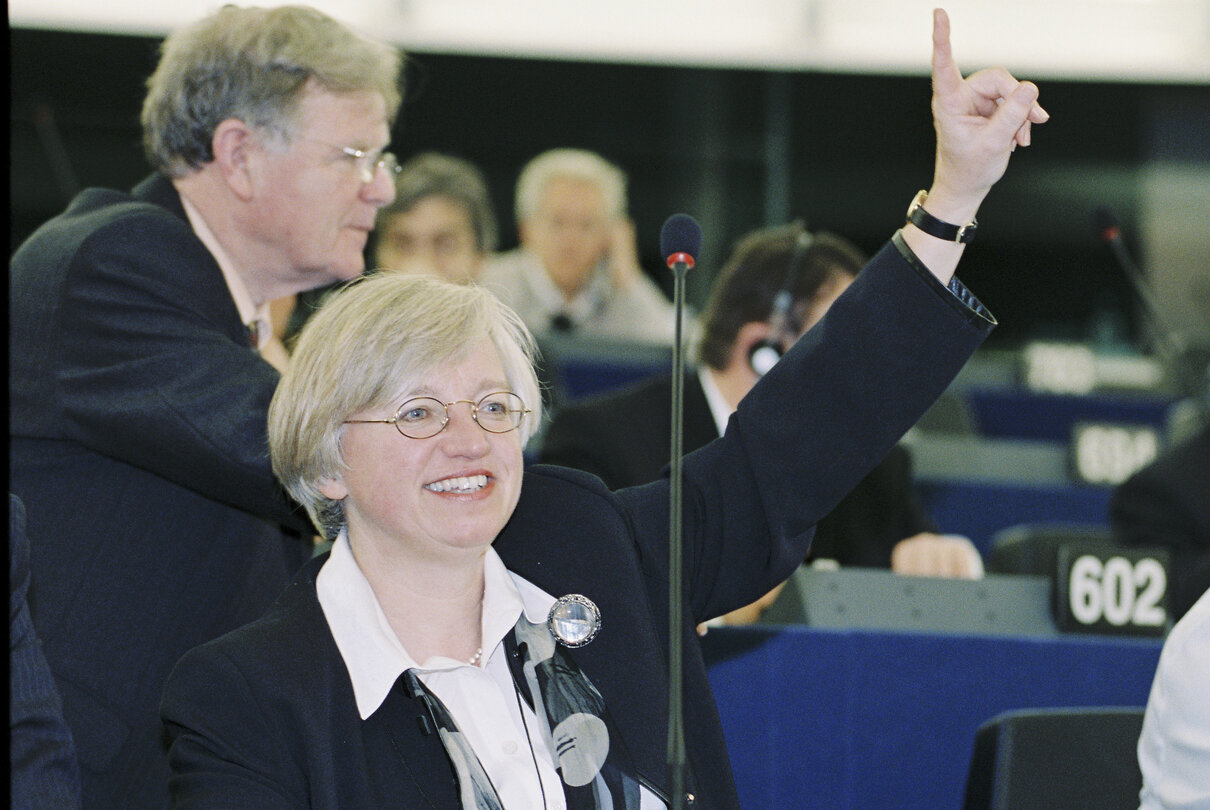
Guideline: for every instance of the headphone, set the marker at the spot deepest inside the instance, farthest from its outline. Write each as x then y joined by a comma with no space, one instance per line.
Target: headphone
764,354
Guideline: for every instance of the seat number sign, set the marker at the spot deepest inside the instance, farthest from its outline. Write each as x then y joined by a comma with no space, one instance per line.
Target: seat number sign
1112,590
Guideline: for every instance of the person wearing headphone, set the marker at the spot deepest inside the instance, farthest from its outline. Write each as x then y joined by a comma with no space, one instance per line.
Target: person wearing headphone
778,283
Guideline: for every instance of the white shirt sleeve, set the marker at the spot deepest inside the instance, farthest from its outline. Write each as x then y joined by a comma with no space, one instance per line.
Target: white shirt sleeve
1174,747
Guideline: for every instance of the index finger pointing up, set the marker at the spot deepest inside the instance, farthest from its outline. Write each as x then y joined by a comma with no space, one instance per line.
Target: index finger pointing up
946,76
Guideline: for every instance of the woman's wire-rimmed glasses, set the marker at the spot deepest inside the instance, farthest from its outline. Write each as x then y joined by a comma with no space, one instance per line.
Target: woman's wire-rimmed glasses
425,417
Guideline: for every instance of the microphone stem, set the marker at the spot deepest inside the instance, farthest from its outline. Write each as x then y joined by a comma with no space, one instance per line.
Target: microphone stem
676,725
1163,334
1169,343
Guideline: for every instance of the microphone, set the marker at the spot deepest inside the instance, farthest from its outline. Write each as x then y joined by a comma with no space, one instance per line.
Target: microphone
680,241
1182,362
1110,231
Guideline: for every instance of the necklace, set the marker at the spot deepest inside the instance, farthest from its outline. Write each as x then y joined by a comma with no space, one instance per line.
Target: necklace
474,659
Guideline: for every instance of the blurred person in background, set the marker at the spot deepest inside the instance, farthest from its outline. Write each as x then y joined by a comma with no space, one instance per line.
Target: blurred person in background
1166,504
441,220
577,270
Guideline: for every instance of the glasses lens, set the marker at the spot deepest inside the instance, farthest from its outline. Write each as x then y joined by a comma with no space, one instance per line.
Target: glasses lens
389,162
499,412
421,418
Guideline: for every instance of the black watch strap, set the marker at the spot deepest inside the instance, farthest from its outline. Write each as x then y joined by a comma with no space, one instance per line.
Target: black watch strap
935,227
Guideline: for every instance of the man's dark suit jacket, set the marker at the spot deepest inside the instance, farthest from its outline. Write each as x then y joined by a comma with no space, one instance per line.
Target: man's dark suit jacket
1167,504
264,717
624,437
44,771
138,445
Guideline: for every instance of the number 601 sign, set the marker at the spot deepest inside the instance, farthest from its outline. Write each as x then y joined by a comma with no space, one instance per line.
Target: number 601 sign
1103,589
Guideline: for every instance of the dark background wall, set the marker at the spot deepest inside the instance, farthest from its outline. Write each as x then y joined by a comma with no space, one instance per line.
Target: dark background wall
735,148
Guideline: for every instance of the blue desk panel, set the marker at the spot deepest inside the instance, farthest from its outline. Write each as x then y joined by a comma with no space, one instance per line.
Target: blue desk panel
584,378
575,366
979,510
1050,417
861,719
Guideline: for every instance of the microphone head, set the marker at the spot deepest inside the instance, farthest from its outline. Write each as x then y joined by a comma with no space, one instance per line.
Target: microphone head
1106,224
680,239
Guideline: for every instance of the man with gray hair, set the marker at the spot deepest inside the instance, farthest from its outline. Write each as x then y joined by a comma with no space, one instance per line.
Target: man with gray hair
577,268
138,389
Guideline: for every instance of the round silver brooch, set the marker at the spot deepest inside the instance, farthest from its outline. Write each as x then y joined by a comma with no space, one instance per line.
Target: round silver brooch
574,620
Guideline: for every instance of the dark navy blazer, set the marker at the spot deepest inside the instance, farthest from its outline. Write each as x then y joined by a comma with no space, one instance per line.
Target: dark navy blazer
265,716
44,770
138,445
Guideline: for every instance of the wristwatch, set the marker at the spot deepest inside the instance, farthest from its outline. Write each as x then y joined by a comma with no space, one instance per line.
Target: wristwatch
935,227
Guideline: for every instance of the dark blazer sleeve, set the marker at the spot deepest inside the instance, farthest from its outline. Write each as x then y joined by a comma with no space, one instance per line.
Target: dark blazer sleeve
228,749
44,769
870,521
810,430
624,437
246,714
265,717
130,345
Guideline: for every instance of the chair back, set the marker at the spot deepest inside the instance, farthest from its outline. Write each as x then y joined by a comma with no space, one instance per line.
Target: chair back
1057,759
1033,548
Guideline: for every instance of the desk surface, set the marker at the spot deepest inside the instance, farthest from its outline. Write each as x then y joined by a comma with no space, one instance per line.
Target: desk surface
858,719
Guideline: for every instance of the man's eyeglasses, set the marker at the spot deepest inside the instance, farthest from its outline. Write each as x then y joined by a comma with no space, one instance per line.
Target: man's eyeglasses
368,163
425,417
